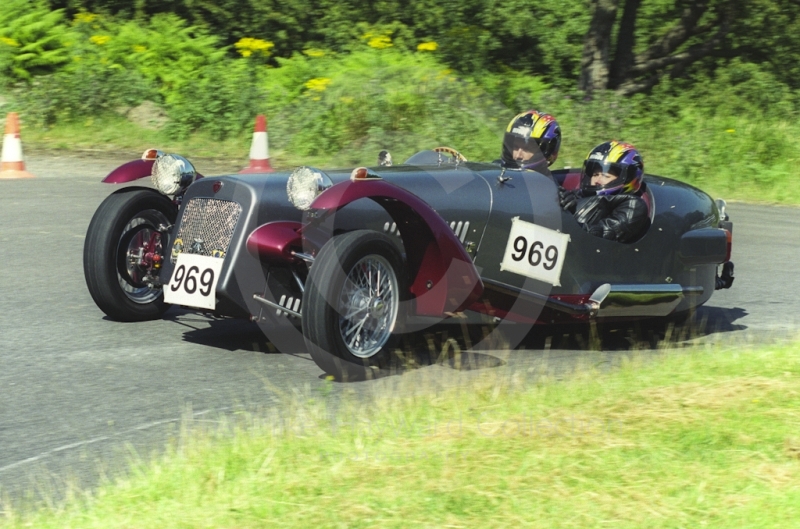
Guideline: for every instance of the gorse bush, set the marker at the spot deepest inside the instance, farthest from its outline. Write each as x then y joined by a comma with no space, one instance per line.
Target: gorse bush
107,66
375,98
164,51
474,35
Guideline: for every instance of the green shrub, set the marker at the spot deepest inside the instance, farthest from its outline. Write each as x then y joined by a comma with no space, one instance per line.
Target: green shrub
31,40
222,99
85,89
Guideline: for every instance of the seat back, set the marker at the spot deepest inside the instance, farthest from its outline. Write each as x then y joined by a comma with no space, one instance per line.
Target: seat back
572,181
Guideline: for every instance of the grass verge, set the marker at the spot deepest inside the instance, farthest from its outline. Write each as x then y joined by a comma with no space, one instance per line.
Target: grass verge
708,438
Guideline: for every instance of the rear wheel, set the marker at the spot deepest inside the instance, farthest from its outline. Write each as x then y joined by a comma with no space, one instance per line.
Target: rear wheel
123,251
353,310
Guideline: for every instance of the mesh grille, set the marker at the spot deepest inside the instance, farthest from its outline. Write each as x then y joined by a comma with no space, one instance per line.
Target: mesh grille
206,227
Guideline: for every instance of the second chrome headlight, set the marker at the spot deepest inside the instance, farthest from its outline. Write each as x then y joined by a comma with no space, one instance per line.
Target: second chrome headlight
304,185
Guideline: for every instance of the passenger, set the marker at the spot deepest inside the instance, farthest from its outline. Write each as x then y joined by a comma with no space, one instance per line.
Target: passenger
608,203
523,134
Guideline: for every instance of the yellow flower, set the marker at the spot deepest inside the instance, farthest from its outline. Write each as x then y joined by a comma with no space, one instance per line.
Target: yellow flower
85,18
318,84
731,131
10,42
314,52
346,100
427,46
99,39
380,42
138,48
247,46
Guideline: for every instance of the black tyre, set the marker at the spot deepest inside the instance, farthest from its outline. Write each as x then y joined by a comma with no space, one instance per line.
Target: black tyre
121,226
353,310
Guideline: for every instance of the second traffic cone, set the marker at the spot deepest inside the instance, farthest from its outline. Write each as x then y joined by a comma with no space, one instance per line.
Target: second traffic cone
11,162
259,150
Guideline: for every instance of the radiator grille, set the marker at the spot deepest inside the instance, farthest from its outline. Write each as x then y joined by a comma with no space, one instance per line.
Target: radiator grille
206,227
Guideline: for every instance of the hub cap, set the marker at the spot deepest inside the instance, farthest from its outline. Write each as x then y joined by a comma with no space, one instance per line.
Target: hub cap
130,272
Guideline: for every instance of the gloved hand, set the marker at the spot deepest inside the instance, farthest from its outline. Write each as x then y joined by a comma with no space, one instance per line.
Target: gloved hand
569,199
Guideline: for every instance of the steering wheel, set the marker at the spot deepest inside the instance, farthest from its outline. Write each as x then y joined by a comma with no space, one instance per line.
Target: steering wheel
452,152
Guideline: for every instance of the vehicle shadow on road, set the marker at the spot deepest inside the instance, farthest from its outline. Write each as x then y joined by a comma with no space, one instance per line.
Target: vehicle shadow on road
474,347
229,334
650,334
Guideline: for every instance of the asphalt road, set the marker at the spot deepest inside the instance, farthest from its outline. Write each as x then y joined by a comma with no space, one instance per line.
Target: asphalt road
81,393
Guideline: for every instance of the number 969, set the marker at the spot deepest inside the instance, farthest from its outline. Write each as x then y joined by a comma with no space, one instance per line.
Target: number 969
534,253
189,279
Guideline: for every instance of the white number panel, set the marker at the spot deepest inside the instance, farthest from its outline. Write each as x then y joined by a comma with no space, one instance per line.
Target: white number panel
535,252
194,281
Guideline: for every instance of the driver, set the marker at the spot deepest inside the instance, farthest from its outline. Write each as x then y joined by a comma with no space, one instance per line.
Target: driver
531,141
608,203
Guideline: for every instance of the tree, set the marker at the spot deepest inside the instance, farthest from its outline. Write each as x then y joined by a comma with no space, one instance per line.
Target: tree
655,38
699,30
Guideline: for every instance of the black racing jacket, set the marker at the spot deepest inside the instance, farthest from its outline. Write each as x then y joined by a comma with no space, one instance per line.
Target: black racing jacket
622,218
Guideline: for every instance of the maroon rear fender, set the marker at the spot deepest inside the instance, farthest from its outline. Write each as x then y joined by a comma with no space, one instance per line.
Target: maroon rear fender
443,277
129,172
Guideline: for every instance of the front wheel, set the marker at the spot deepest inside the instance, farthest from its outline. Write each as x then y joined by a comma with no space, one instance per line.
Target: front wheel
353,305
124,251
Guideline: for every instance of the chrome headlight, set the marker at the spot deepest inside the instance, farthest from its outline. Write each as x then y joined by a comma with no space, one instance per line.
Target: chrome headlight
304,185
172,173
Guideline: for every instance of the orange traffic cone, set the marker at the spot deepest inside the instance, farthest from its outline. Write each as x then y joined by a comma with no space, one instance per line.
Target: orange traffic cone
259,150
11,164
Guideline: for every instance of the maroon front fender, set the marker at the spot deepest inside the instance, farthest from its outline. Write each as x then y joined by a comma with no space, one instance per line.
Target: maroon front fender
129,172
274,241
443,278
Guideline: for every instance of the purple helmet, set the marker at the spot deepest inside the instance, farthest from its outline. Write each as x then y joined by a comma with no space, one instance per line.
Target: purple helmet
522,132
616,159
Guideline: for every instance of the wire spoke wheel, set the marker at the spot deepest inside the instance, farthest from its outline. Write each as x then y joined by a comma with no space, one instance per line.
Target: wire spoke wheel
353,310
368,306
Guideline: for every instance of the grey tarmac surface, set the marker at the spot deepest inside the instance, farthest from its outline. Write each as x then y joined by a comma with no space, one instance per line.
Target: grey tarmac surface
81,393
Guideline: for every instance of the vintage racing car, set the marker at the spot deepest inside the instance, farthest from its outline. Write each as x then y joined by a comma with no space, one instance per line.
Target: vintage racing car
346,263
